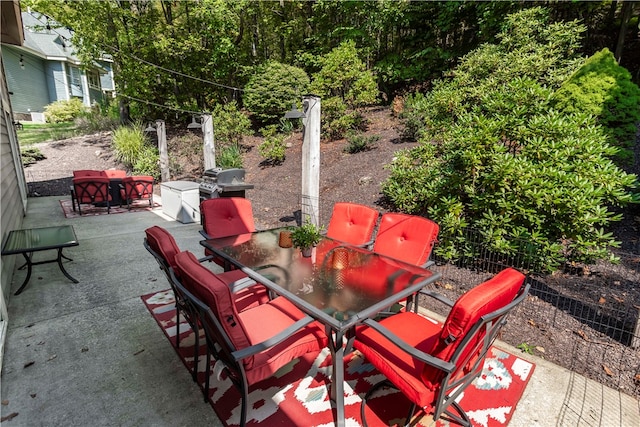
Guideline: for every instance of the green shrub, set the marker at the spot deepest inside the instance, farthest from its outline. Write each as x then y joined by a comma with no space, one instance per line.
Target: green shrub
101,117
272,148
412,117
229,157
273,89
344,84
30,155
357,142
148,162
603,88
64,111
230,124
495,155
129,143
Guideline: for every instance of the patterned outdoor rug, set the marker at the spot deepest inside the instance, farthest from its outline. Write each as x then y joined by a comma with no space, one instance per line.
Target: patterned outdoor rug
297,395
90,210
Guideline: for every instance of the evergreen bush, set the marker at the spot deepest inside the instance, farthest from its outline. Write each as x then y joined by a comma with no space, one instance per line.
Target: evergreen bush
64,111
496,156
603,88
345,85
273,89
272,148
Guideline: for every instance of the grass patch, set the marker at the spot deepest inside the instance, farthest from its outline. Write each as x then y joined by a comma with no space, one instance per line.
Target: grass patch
32,133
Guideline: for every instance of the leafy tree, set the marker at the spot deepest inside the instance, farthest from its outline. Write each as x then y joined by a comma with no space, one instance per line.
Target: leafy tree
495,155
345,85
603,88
273,89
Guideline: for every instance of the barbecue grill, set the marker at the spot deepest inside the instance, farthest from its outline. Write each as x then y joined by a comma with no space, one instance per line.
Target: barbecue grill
218,182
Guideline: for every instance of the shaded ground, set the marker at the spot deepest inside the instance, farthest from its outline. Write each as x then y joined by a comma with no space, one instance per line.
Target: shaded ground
582,319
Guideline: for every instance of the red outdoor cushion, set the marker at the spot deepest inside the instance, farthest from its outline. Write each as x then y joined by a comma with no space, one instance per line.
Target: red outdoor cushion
163,243
137,187
408,238
352,223
91,189
86,172
265,321
227,216
114,173
212,291
254,325
399,367
483,299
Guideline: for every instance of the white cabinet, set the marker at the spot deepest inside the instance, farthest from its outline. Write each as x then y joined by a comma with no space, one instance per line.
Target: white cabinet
181,200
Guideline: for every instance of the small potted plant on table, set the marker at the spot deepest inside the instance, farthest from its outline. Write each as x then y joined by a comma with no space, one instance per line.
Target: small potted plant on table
306,237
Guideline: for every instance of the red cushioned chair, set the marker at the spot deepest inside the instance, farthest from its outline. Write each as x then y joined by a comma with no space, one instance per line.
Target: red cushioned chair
251,344
224,217
352,223
432,364
139,187
114,173
161,244
81,174
408,238
91,190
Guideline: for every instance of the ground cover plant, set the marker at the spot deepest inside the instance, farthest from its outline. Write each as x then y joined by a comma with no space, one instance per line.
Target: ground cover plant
496,156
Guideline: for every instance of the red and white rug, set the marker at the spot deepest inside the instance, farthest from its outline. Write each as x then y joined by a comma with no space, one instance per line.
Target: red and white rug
90,210
298,394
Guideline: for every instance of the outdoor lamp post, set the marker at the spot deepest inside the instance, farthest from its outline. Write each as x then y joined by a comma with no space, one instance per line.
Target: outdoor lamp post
310,116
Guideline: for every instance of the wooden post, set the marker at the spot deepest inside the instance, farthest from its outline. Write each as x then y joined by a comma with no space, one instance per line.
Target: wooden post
209,149
165,174
311,160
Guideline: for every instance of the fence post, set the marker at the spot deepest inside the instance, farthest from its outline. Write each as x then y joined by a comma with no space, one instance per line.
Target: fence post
165,174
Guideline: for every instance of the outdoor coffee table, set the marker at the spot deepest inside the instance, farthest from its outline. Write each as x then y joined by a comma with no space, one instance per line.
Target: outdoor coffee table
340,286
30,240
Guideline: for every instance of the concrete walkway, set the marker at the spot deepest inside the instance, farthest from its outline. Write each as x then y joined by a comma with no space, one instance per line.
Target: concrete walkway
89,354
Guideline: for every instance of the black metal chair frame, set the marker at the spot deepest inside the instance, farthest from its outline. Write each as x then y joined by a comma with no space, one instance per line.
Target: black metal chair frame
131,193
220,346
452,385
90,189
182,305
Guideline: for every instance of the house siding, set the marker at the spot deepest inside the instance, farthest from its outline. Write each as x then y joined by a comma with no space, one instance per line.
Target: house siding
56,79
30,82
12,183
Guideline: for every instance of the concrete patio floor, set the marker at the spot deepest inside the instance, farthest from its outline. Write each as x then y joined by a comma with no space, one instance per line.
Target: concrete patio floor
90,354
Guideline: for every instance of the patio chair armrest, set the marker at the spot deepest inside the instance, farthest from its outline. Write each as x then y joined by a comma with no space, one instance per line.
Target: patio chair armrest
274,340
436,296
240,284
205,258
412,351
204,234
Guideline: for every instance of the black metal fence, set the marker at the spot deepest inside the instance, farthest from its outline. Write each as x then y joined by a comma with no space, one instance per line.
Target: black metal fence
585,318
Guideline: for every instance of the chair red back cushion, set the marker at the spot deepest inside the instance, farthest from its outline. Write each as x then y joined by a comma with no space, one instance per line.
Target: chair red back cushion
137,187
114,173
212,291
227,216
483,299
163,243
91,189
352,223
408,238
87,172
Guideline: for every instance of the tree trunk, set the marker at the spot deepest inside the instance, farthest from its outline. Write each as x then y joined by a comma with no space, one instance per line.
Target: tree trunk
624,23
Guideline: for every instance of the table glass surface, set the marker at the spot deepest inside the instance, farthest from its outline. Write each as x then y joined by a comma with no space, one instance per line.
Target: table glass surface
342,281
36,239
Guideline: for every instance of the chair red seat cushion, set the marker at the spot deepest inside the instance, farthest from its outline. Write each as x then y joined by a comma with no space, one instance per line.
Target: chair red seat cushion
266,320
399,367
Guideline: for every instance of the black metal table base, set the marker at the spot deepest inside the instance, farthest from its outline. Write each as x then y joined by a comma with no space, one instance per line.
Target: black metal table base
29,264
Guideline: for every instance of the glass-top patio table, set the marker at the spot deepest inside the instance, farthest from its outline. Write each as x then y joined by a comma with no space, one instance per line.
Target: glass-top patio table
339,285
29,240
